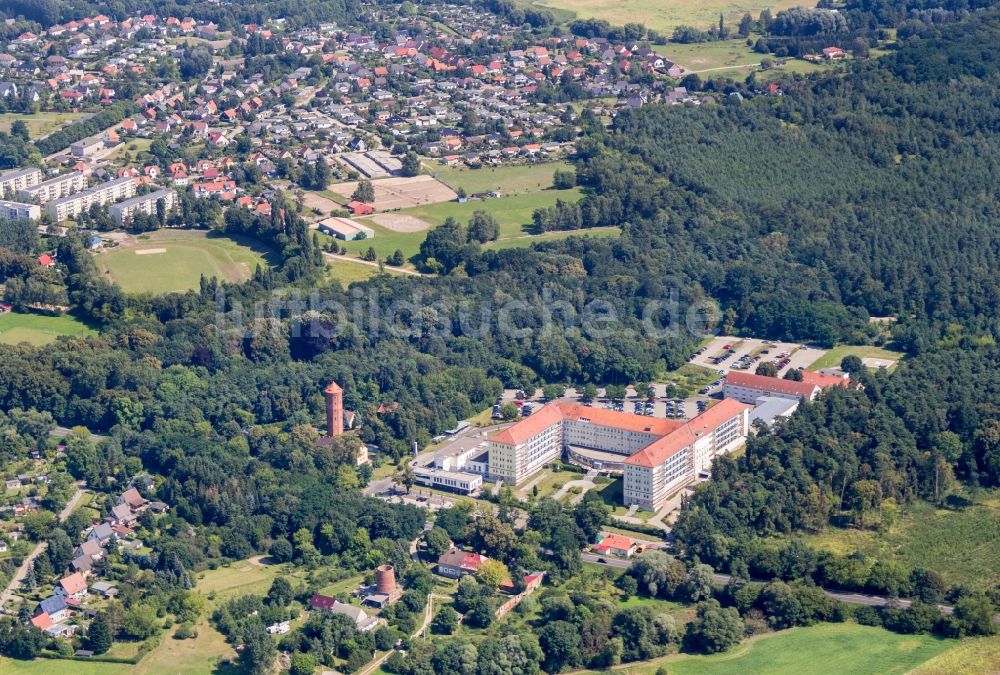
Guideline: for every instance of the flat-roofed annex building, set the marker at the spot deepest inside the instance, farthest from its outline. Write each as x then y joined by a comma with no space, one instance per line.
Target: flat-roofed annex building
658,456
123,212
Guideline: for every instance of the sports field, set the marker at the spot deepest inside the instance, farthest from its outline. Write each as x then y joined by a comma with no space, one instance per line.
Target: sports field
816,650
663,15
39,124
37,330
167,261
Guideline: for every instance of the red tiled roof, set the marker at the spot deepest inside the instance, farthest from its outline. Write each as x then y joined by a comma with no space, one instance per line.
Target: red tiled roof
774,384
657,452
822,380
614,541
553,412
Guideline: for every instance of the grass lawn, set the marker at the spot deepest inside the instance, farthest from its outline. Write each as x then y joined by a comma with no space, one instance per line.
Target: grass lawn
826,648
240,578
833,357
973,656
523,241
39,124
200,655
507,179
715,57
177,259
963,545
689,376
347,272
663,15
37,330
133,146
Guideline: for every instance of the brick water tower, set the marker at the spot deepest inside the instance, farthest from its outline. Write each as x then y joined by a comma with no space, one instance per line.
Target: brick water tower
385,579
334,410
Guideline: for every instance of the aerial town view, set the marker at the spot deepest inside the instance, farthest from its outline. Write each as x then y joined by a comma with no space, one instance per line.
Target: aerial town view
499,337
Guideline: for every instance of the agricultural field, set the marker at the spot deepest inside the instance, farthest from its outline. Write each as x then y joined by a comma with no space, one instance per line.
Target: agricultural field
40,124
664,15
168,261
879,356
38,330
507,179
962,544
973,656
816,650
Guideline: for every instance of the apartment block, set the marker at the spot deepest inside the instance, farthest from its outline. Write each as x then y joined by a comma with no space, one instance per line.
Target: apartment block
13,182
54,188
123,212
105,193
19,211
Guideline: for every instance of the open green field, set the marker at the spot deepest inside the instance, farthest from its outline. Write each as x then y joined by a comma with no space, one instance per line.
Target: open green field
37,330
240,578
527,240
963,545
816,650
507,179
663,15
175,260
513,213
731,58
40,124
347,272
833,357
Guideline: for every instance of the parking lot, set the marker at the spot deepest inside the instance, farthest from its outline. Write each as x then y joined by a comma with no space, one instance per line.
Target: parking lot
726,353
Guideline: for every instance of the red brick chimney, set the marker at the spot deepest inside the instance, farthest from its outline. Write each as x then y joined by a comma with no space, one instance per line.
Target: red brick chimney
334,409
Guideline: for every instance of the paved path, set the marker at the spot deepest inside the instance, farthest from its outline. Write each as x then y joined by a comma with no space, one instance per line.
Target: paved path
389,269
379,659
583,483
22,571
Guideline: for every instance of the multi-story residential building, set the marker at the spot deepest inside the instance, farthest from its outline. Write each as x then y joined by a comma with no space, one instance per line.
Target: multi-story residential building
748,387
657,456
13,182
123,212
19,211
53,188
105,193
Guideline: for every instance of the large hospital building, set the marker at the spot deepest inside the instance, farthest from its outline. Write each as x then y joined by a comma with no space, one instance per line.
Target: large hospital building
656,456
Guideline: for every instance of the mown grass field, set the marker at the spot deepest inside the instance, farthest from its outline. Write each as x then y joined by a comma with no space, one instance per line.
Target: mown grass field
662,15
347,272
39,124
963,545
833,357
507,179
38,330
816,650
179,258
730,58
528,240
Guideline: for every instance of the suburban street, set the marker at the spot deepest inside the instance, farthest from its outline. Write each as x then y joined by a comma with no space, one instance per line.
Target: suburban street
22,571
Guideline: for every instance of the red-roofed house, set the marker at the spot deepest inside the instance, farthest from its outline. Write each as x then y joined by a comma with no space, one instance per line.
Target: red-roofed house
748,387
45,260
74,586
615,544
456,563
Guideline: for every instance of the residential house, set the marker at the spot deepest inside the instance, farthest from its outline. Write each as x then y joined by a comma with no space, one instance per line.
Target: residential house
456,563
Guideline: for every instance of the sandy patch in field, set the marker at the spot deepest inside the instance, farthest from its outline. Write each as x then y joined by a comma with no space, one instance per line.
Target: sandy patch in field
400,223
311,200
402,193
150,251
